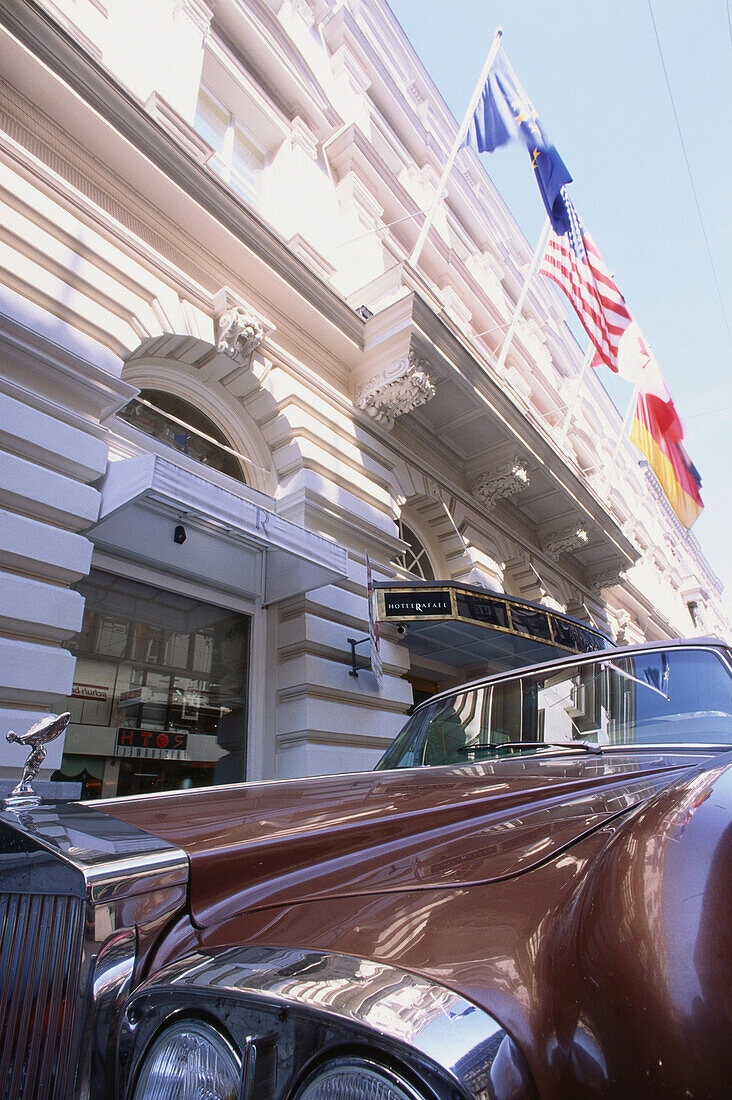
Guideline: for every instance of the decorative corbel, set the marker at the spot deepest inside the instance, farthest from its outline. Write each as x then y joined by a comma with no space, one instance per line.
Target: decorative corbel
628,630
504,480
565,541
399,389
607,578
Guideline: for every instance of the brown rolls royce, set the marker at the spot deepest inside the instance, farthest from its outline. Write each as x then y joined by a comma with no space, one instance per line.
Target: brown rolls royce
529,897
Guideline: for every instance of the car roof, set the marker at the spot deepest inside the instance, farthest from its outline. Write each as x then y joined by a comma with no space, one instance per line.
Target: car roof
581,658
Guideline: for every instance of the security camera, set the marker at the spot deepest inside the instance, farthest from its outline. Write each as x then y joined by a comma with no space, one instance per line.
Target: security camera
401,631
179,535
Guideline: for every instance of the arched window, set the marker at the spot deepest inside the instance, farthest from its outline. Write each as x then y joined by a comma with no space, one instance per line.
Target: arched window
414,560
181,425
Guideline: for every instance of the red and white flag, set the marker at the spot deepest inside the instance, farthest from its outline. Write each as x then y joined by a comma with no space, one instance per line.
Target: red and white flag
573,262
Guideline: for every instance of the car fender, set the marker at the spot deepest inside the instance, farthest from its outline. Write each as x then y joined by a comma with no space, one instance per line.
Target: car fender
288,1013
638,960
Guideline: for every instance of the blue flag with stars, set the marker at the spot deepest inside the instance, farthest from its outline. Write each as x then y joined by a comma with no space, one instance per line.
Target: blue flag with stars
504,111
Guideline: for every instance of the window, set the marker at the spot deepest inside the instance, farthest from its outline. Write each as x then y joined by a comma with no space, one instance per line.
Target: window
669,697
414,560
179,424
159,700
238,158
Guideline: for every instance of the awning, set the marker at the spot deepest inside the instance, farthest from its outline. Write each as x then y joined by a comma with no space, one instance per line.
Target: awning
463,626
232,542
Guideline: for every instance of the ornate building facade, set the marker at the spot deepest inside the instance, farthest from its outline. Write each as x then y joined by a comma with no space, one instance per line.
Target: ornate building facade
223,382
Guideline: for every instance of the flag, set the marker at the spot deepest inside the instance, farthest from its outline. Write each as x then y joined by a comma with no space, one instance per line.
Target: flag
637,364
657,432
504,111
377,664
573,262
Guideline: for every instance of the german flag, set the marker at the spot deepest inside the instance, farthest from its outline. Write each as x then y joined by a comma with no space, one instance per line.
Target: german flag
658,433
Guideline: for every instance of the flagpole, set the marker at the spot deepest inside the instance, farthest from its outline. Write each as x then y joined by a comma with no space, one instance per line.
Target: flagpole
575,397
427,224
623,432
538,253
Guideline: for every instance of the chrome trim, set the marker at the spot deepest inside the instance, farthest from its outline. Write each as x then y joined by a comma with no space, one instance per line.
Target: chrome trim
42,940
286,1001
115,858
126,885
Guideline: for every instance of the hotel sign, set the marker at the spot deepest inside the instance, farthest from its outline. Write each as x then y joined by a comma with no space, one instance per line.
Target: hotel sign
417,605
501,613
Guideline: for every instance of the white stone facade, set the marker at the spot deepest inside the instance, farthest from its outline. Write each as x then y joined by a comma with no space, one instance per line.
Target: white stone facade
218,201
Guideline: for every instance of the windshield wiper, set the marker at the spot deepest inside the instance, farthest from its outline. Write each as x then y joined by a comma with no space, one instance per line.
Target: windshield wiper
588,746
642,683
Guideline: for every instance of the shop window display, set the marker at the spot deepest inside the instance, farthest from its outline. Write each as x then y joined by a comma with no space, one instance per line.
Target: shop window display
160,690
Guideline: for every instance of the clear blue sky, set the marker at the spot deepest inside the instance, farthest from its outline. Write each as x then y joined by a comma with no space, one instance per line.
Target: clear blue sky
594,73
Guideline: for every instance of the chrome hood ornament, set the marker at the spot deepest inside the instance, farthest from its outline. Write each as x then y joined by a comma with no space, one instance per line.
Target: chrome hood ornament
36,738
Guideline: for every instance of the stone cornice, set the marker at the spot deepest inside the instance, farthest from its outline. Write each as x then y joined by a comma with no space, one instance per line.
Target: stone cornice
478,375
181,130
198,12
281,66
40,34
350,151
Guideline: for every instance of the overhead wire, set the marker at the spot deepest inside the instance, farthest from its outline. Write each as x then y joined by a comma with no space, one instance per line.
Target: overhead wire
688,169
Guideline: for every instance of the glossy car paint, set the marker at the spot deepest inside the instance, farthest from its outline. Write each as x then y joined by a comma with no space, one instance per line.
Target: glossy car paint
543,889
361,833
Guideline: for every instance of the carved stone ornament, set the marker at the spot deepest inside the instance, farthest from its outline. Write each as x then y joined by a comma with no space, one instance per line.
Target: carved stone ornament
502,481
400,389
629,631
565,541
607,578
36,738
239,333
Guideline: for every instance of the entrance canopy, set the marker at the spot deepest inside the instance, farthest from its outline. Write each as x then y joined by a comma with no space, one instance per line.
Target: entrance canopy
463,626
225,538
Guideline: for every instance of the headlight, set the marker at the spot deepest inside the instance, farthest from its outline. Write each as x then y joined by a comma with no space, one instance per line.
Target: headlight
190,1061
355,1079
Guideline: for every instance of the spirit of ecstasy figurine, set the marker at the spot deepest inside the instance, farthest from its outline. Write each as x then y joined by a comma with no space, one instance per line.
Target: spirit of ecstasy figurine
36,738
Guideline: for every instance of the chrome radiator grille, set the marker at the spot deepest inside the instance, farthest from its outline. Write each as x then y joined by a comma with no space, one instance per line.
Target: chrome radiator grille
41,940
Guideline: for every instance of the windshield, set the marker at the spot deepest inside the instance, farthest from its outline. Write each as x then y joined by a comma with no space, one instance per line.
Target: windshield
669,697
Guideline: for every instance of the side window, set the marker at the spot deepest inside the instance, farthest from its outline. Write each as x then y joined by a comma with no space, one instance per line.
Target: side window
440,733
238,158
455,723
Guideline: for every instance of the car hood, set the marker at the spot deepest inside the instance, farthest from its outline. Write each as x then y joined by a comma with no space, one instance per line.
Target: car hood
280,842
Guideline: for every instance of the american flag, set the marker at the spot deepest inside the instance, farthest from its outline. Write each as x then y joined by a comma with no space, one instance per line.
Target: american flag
574,263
